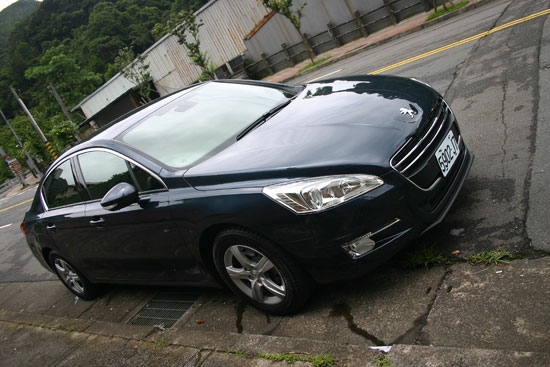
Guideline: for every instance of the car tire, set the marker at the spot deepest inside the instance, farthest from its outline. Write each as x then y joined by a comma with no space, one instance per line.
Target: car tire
258,271
72,278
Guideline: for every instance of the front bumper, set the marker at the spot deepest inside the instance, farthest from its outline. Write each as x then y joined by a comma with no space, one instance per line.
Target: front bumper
316,240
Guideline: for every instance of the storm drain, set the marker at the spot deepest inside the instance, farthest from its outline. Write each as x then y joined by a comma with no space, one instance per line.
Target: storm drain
165,308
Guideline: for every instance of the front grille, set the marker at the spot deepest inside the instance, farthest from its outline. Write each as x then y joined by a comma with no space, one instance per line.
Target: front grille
417,154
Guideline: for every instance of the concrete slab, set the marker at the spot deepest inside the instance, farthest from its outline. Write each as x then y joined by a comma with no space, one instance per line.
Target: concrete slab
27,347
33,297
377,310
412,355
223,311
118,304
380,309
104,351
501,307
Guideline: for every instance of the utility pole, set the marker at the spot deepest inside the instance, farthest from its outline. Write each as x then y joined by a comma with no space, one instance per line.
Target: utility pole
34,124
30,162
63,107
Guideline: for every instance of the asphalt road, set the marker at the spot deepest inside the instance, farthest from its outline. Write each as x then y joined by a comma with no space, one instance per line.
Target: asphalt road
16,261
492,84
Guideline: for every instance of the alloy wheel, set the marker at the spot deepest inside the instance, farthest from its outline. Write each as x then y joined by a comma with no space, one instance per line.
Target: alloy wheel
69,276
254,274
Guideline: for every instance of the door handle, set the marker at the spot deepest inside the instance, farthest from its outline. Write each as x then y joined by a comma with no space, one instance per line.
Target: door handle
97,222
51,227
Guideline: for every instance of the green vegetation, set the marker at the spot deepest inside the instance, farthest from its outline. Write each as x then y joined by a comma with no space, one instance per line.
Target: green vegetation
320,360
425,256
5,172
294,16
135,69
447,10
382,360
492,257
74,46
313,64
185,26
323,360
11,16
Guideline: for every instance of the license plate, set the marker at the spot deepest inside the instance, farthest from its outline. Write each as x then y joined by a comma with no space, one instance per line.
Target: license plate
447,153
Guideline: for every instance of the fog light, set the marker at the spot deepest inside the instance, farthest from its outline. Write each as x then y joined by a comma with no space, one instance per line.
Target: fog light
359,246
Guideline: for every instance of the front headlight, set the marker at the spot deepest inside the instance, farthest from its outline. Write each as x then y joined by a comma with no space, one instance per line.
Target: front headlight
321,193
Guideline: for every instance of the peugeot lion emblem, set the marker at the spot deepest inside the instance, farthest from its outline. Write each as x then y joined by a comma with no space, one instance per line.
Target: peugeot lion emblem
407,111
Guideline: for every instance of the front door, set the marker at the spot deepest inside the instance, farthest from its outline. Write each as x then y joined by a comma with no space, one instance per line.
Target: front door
138,243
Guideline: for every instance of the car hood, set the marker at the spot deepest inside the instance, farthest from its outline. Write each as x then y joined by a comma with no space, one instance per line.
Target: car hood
331,127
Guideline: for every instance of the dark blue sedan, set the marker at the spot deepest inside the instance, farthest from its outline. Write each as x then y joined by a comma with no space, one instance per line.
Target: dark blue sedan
266,187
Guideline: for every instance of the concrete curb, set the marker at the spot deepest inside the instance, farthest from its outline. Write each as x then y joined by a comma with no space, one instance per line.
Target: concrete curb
246,349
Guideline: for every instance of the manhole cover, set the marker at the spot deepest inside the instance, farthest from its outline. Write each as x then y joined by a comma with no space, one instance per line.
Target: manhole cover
165,308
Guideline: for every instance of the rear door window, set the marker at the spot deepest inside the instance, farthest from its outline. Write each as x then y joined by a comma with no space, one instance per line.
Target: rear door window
61,188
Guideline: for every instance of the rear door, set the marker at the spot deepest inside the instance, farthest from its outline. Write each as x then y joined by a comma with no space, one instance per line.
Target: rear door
64,218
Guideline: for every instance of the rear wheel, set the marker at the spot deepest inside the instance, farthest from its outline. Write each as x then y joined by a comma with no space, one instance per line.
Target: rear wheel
259,272
72,278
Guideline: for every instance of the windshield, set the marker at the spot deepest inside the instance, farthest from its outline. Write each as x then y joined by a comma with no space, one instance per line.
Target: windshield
201,122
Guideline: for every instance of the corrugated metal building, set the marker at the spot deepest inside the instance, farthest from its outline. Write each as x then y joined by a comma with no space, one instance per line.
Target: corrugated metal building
226,23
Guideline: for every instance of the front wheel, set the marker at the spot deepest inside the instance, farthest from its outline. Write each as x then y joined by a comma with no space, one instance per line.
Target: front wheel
256,270
72,278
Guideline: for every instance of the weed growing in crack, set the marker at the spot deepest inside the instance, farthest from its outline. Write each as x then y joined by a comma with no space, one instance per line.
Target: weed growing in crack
424,257
382,360
492,257
322,360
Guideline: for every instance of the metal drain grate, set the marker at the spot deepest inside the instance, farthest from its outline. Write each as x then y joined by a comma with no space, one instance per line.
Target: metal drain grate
165,308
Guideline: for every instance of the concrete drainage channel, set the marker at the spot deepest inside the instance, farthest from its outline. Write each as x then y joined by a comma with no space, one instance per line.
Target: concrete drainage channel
165,308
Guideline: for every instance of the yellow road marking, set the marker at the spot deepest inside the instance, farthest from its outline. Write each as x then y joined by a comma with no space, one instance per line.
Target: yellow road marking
15,205
459,43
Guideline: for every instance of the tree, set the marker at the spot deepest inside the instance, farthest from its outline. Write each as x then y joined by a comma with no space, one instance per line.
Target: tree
184,25
136,70
60,68
284,7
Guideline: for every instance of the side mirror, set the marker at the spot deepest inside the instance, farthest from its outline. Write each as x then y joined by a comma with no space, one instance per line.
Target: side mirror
120,196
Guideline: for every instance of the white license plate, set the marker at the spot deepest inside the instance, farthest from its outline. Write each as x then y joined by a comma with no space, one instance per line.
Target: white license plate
447,153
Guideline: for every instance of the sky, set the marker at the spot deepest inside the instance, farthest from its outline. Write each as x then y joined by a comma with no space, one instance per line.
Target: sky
6,3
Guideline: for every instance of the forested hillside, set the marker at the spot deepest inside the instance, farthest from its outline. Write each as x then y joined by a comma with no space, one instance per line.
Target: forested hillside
9,17
71,45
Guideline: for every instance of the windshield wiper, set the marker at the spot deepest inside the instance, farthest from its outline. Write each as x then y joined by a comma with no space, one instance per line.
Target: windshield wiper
263,118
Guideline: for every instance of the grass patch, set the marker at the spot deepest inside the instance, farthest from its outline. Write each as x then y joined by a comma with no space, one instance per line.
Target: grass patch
425,256
492,257
323,360
382,361
313,64
444,11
